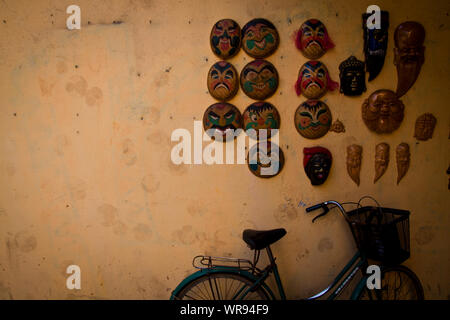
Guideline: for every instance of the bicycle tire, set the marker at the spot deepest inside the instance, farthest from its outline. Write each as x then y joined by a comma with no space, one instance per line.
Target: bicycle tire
397,283
220,286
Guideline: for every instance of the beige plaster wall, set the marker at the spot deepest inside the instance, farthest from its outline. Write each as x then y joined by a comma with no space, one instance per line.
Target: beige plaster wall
85,172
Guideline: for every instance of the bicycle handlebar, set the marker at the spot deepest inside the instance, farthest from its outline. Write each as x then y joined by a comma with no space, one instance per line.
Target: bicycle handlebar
324,206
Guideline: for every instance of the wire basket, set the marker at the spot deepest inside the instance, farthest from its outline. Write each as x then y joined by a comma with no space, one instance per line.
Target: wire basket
381,233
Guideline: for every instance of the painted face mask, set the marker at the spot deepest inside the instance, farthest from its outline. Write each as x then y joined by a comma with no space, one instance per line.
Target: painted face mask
312,39
222,81
259,79
314,80
260,115
225,38
424,127
382,112
259,38
381,160
354,155
265,159
375,44
408,54
312,119
352,76
224,119
403,158
317,164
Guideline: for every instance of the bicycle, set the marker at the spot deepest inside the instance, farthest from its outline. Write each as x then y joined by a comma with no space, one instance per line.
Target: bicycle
380,233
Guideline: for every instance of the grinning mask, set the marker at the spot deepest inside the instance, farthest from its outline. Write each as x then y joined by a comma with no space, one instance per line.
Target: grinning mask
312,119
265,159
259,38
259,79
260,115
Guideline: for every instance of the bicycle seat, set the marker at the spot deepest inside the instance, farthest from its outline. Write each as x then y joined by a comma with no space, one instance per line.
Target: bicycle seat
258,240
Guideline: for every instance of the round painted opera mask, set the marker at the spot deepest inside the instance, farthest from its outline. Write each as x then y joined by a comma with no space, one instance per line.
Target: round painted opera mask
260,115
314,80
265,159
352,76
259,38
312,119
223,81
225,38
221,120
317,164
259,79
382,112
312,39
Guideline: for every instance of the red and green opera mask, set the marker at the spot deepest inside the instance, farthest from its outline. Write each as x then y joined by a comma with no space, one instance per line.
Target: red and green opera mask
259,38
312,39
225,38
260,115
222,81
314,80
265,159
224,119
312,119
259,79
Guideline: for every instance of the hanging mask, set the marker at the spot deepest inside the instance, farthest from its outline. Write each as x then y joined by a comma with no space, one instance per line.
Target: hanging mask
408,54
312,119
381,160
337,127
260,115
424,127
375,44
314,80
259,38
223,81
225,38
259,79
382,112
265,159
352,76
317,164
354,155
312,39
224,119
403,159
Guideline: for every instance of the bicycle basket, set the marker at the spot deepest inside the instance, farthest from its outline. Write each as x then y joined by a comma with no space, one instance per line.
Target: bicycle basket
381,233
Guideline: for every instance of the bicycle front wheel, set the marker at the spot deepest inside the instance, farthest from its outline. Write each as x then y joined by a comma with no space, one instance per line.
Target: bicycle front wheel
221,286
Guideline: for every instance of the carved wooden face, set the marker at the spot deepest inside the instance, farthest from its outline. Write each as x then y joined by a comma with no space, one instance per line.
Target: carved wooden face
403,157
382,112
259,79
312,39
352,76
375,44
337,127
312,119
317,164
222,117
265,159
424,127
381,160
354,155
313,80
260,115
222,81
259,38
225,38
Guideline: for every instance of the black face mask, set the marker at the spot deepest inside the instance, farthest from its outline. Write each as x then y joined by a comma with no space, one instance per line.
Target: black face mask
353,77
318,168
375,44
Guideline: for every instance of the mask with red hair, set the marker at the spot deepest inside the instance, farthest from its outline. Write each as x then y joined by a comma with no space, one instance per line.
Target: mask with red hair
314,80
312,39
317,164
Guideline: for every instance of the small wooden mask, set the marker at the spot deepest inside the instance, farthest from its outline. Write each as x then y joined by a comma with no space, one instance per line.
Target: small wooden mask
224,119
408,54
259,38
354,155
265,159
312,119
381,160
312,39
260,115
259,79
337,127
403,159
424,127
222,81
317,164
375,44
225,38
352,76
382,112
314,80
